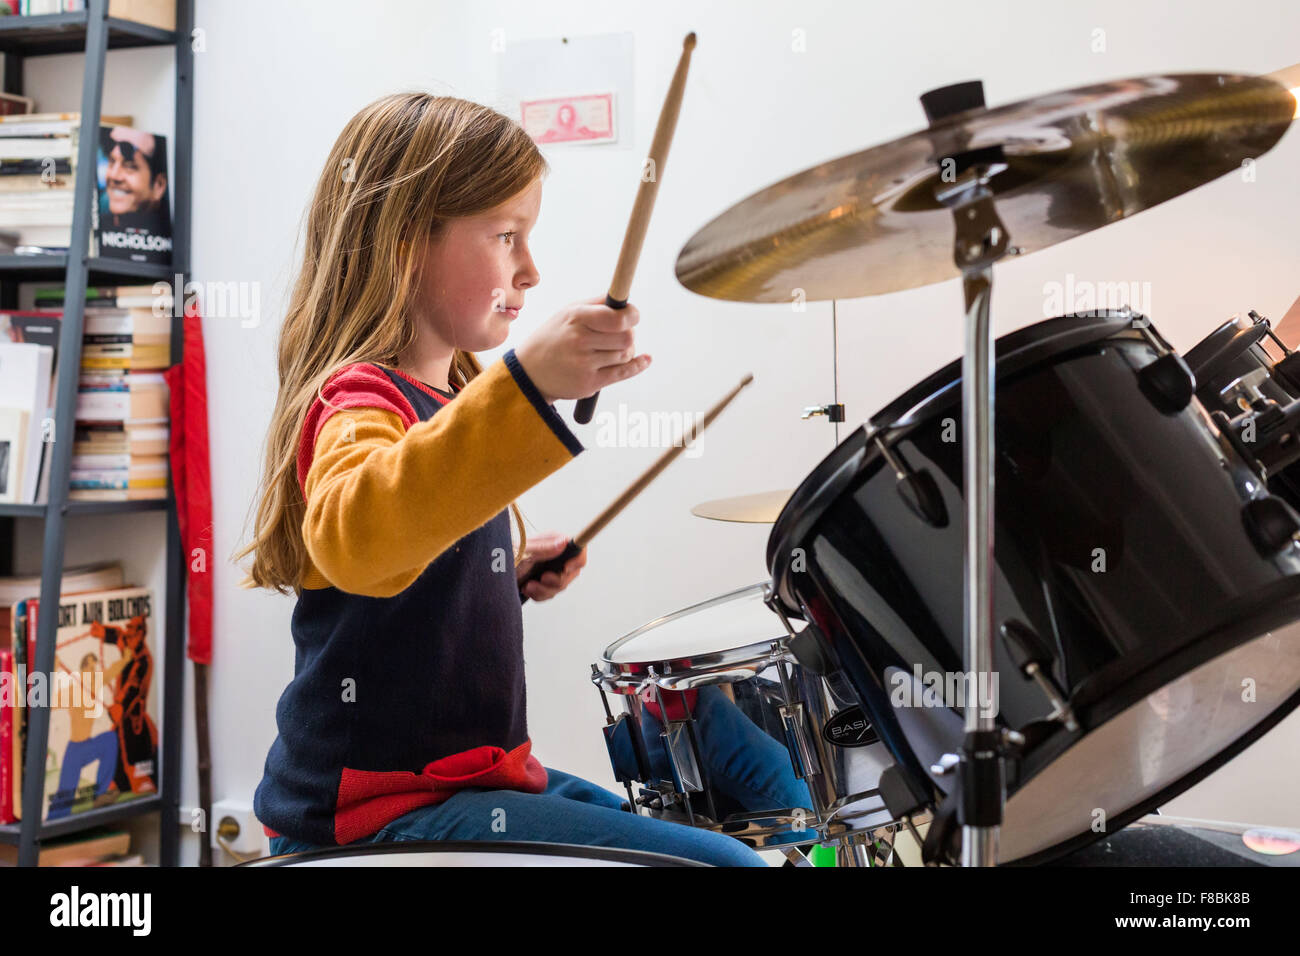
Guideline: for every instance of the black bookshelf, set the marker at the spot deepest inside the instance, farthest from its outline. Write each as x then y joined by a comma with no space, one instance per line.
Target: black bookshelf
94,33
66,33
102,271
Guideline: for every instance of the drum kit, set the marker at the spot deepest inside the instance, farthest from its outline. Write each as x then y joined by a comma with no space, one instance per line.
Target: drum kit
1125,528
1123,519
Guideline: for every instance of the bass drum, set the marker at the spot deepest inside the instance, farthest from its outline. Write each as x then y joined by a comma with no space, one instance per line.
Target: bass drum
1135,562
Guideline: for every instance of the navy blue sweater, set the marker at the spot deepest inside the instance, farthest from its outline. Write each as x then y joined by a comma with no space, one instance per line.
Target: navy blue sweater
398,701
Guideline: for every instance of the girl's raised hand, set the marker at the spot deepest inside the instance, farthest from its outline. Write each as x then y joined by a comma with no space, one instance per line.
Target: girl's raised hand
581,349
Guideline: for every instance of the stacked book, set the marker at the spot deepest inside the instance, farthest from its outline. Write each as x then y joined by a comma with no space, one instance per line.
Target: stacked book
120,447
120,450
38,157
100,846
26,367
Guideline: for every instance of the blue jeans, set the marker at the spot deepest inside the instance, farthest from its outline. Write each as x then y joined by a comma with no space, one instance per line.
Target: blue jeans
741,761
570,810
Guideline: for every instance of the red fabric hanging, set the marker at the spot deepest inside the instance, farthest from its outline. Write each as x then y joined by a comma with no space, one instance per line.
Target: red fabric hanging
192,478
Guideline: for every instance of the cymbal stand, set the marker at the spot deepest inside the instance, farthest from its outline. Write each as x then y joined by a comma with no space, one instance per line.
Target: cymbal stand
981,240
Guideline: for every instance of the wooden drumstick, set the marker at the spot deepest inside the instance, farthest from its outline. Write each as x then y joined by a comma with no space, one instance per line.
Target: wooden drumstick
576,545
633,239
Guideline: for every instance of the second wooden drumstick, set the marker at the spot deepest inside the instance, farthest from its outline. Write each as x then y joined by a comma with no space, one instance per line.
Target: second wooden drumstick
575,546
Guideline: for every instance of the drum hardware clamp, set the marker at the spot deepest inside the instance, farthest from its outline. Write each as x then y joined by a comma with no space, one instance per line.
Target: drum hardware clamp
1245,393
833,413
949,763
1289,366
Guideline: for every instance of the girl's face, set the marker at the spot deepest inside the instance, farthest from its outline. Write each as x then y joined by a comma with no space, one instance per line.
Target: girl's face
473,276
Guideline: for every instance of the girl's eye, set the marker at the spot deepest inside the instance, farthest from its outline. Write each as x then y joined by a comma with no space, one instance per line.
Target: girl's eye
509,236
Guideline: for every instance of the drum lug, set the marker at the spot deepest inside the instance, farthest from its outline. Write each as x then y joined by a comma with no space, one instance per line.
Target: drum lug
1271,524
918,489
1031,655
1228,429
1168,382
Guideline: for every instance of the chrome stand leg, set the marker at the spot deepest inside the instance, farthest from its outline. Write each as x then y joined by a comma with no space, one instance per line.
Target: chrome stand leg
981,239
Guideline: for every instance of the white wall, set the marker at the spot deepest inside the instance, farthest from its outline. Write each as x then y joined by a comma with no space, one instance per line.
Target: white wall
279,78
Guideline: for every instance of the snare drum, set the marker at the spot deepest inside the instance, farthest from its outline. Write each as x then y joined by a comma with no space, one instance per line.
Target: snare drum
735,645
460,853
1145,606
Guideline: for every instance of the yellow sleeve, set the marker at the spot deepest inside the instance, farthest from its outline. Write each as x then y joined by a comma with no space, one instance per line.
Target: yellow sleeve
384,501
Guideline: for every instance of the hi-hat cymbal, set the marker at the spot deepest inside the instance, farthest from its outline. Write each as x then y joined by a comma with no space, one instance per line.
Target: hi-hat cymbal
761,508
868,223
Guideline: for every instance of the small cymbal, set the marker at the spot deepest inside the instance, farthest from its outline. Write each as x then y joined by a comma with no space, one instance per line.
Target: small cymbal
868,223
761,508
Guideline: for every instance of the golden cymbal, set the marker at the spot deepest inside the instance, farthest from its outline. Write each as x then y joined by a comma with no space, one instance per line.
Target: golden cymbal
760,508
868,223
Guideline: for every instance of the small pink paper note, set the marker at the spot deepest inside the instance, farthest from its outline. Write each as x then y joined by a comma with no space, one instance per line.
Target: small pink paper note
570,119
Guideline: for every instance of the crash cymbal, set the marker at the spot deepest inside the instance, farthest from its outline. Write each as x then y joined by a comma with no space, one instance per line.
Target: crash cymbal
760,508
868,223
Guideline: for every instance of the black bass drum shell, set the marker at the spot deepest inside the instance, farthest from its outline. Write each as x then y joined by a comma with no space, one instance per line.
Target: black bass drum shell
1119,541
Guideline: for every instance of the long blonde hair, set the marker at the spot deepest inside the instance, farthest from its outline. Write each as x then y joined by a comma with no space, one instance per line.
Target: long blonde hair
401,168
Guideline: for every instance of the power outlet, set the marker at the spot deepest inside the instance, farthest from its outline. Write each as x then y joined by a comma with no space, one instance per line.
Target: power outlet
238,826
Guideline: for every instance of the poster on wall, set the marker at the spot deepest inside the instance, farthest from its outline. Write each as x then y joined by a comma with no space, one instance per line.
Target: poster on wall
567,90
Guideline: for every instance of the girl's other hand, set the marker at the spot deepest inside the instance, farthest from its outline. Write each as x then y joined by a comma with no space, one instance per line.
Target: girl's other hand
581,349
541,548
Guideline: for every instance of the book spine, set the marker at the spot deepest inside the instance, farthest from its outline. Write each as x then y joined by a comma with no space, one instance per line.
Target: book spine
21,660
7,711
